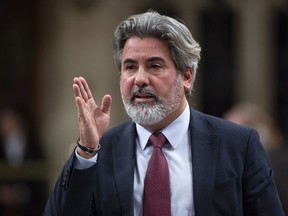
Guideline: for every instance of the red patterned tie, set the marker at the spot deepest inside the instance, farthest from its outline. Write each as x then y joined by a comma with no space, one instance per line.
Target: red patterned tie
156,185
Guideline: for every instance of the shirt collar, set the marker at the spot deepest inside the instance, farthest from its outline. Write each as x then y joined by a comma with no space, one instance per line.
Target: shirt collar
174,132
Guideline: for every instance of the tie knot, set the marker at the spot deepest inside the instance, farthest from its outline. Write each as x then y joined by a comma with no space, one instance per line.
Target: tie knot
158,139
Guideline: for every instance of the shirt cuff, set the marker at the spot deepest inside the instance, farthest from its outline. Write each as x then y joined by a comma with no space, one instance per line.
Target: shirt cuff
83,163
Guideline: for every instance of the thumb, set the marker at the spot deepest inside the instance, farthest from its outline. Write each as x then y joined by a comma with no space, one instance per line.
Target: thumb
106,104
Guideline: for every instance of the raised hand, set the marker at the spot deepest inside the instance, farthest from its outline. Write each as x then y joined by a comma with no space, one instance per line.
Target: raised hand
93,120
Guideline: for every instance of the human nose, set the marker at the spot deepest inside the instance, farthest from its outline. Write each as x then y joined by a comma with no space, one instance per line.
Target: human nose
141,78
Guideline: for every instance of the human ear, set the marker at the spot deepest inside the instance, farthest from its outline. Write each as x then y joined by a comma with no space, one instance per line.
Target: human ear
187,79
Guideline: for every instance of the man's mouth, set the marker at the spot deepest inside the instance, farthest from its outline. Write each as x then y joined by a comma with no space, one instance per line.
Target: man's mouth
143,97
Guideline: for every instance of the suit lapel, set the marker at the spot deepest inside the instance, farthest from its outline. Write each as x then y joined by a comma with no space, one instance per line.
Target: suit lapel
124,162
204,143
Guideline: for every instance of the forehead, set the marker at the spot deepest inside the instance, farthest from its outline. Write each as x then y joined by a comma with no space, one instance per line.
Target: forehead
136,47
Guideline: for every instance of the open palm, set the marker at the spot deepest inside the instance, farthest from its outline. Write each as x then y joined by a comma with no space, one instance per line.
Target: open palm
93,120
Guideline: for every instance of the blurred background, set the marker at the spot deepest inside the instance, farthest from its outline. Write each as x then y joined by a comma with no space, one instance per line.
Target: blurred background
45,43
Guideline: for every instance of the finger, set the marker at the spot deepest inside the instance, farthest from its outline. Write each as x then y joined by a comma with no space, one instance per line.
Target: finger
78,81
86,87
78,99
76,87
76,90
106,104
80,104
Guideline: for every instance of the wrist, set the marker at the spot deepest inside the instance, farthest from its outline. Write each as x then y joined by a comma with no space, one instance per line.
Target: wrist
87,152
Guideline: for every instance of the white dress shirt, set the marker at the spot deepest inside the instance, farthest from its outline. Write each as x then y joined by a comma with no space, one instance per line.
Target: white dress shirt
179,159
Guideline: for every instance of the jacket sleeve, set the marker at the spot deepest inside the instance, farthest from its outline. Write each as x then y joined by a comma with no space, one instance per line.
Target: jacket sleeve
259,191
73,192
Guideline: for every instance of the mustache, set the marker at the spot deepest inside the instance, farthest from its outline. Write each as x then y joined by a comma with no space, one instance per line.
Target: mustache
143,90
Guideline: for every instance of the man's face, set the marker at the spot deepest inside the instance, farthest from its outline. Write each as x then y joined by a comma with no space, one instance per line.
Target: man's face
152,92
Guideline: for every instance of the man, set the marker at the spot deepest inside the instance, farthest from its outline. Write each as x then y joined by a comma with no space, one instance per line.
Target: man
214,167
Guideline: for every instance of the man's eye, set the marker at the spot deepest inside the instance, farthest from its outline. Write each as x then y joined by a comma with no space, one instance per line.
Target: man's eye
155,66
130,67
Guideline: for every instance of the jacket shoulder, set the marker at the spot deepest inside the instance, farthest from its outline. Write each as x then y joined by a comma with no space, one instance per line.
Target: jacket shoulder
219,124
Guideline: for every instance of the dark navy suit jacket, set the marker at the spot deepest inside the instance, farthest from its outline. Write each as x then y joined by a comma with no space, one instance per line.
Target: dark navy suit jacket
231,174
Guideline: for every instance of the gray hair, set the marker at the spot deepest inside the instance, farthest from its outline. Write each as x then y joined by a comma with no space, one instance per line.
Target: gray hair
185,51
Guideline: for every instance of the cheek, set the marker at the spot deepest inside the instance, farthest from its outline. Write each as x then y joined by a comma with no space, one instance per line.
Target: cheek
126,86
164,87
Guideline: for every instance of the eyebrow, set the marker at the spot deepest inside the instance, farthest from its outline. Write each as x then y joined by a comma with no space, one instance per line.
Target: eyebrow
129,60
156,58
151,59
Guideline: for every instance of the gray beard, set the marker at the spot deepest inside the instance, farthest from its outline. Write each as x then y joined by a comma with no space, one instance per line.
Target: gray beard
149,114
